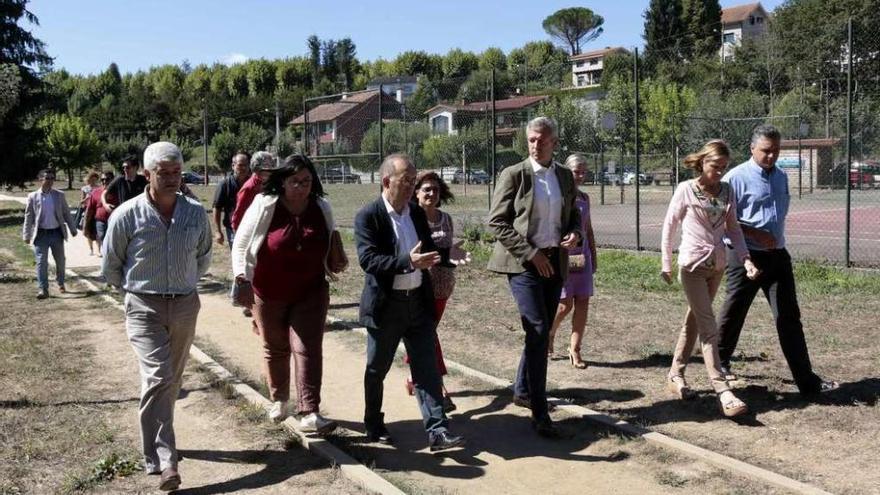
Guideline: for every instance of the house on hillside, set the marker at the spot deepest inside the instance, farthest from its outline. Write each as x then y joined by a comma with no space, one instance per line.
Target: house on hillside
510,114
344,122
401,87
586,68
741,22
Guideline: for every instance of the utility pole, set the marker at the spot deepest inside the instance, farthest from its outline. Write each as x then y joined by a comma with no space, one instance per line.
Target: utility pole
492,140
849,69
638,149
277,132
205,138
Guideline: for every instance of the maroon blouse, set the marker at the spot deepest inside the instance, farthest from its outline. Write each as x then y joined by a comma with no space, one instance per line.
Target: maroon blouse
290,264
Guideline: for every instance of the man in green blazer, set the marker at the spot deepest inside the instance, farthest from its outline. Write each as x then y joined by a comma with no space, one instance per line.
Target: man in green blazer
535,222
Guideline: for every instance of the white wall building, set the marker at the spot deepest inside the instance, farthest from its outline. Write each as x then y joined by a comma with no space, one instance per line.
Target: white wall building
741,22
586,68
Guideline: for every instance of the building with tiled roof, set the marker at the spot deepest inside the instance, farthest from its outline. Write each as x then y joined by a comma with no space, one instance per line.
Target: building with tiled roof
741,22
586,68
510,114
345,120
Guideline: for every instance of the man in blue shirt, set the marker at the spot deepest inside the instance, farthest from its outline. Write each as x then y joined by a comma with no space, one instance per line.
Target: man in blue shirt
157,246
762,201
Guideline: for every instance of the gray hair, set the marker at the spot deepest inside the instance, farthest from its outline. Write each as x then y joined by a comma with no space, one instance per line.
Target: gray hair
387,167
162,151
765,131
263,160
542,125
574,159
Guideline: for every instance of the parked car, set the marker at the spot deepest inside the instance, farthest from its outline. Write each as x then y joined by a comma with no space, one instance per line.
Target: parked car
473,177
338,176
190,177
611,178
629,178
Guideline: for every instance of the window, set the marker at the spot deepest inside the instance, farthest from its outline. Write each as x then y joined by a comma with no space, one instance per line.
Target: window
440,124
594,61
729,38
752,20
759,20
581,81
580,64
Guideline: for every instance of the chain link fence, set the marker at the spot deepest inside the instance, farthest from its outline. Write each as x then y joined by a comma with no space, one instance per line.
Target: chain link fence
470,128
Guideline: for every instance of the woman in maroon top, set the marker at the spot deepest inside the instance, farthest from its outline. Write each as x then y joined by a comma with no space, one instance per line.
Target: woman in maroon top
96,216
282,248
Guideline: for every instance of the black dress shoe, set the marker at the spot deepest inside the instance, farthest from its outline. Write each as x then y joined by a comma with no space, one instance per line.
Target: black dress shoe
546,428
170,480
448,405
443,440
823,387
524,401
379,434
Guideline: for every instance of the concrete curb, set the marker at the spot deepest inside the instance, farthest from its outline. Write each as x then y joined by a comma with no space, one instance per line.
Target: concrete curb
714,458
350,467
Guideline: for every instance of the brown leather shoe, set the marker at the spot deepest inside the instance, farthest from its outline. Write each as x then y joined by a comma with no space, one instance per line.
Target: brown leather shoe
170,479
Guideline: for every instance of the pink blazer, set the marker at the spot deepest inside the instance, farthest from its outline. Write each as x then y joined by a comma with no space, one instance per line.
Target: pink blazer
700,238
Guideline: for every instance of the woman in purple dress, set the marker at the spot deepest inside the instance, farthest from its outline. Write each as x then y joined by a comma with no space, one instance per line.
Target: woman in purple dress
581,267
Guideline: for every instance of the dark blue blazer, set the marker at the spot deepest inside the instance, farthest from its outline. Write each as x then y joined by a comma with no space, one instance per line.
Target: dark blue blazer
377,255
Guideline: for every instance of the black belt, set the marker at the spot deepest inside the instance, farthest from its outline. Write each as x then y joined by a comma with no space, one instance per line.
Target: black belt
405,292
168,295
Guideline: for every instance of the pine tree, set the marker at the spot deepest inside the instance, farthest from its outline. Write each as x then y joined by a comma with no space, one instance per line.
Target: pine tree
702,21
18,136
664,32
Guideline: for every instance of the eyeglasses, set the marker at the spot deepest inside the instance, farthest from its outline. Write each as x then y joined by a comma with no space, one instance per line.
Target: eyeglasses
298,183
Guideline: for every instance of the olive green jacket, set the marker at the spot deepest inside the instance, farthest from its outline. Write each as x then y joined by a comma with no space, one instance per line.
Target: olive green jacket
510,213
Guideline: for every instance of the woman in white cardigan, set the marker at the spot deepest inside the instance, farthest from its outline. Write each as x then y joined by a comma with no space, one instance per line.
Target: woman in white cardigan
705,210
285,248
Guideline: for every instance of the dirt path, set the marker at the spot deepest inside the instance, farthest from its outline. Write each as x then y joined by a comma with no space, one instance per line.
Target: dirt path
503,454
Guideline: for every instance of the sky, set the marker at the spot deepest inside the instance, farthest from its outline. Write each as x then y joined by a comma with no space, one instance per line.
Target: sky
85,36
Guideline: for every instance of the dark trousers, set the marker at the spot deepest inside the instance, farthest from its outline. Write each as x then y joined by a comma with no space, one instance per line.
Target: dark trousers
536,298
777,283
404,317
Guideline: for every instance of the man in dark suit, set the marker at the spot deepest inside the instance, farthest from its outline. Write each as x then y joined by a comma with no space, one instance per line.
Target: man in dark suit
535,222
395,249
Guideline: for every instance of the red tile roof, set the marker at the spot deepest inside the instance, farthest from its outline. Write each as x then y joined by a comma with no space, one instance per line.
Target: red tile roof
329,112
506,105
739,13
597,53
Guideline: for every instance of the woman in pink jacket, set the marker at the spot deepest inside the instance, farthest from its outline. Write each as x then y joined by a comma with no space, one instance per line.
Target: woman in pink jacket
705,209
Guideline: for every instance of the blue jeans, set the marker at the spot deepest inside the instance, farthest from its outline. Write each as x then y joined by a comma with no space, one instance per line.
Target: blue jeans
100,231
230,235
49,240
404,317
536,298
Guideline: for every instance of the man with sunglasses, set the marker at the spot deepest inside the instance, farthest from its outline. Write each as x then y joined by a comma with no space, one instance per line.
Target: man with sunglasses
45,217
128,185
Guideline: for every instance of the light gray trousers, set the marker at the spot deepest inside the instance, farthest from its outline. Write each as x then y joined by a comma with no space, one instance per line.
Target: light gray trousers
161,332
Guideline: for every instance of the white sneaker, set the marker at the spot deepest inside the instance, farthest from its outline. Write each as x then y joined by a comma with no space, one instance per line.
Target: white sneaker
278,411
315,423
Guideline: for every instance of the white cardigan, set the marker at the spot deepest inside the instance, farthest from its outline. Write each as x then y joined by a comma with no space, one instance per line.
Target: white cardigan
251,234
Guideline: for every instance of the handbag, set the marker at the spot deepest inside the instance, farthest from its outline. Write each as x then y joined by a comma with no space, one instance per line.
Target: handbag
78,219
242,294
576,263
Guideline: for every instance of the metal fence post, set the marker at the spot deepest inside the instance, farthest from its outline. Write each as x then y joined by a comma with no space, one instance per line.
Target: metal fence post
849,69
800,161
305,139
638,150
491,185
381,125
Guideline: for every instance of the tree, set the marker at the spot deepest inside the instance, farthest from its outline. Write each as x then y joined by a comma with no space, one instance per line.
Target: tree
329,67
314,46
293,72
397,137
493,58
458,63
664,105
70,144
702,22
346,61
19,137
118,147
416,63
260,77
664,32
10,85
245,136
574,27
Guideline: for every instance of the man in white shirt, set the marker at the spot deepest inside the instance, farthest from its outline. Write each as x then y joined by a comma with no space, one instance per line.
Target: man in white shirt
395,250
45,217
535,222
